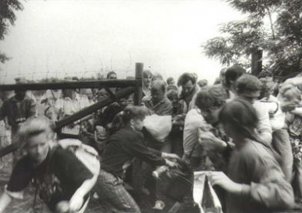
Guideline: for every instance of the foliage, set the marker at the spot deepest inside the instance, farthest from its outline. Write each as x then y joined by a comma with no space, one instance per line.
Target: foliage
7,18
281,42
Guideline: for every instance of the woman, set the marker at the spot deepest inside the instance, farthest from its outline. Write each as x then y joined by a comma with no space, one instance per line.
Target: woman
255,182
62,181
123,146
290,97
147,80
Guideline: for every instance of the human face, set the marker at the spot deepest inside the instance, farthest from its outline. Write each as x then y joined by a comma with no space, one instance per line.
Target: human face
250,96
137,124
211,114
188,87
112,76
37,147
20,94
147,79
157,95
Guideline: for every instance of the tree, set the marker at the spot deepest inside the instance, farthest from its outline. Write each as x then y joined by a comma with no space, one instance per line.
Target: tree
7,18
281,42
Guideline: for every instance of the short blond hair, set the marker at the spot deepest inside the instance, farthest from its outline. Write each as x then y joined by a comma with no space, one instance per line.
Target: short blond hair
34,126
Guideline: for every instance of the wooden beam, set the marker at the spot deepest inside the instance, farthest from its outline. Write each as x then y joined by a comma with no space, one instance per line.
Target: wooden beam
139,67
78,115
71,85
88,110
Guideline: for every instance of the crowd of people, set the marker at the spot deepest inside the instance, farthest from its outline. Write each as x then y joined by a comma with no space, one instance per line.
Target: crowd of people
249,127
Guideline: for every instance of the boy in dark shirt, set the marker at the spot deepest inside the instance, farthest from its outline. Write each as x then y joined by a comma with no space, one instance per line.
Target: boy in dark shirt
57,173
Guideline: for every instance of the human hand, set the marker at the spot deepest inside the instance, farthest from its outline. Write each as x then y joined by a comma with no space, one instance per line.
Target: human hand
75,203
171,163
210,142
220,179
170,156
288,107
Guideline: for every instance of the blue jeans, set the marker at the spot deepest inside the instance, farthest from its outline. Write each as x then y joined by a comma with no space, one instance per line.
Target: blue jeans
111,190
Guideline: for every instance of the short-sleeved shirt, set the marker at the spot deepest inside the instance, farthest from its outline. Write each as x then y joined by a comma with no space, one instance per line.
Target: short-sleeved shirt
57,177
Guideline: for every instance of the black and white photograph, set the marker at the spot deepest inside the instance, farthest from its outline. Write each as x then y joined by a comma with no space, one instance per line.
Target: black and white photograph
151,106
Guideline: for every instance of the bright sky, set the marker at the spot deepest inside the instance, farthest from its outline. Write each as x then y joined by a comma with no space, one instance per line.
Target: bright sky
82,37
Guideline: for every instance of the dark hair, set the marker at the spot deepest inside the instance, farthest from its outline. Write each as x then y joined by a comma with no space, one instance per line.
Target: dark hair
170,79
123,118
172,93
110,73
202,83
242,116
213,96
172,87
248,83
185,77
265,74
232,74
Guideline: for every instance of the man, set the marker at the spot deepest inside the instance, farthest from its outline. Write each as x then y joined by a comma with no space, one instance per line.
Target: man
230,76
187,81
198,126
159,103
111,75
248,87
62,180
18,109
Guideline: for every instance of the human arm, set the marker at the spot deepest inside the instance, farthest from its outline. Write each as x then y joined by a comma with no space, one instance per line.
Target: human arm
267,185
5,200
209,141
32,109
264,127
74,174
77,198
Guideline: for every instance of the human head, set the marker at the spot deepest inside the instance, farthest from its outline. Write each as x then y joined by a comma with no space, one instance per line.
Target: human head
267,75
248,87
172,87
209,101
232,74
69,93
20,93
157,76
172,95
202,83
35,136
111,75
170,81
147,78
87,92
134,116
290,94
158,91
188,82
239,119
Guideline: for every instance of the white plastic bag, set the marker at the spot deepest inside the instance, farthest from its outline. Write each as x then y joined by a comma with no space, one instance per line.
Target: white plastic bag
158,126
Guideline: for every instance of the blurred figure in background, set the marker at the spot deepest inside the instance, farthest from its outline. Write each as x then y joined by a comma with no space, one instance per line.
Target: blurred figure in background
147,80
189,89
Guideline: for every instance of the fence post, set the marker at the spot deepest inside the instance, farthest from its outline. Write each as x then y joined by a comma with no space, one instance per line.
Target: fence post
139,78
